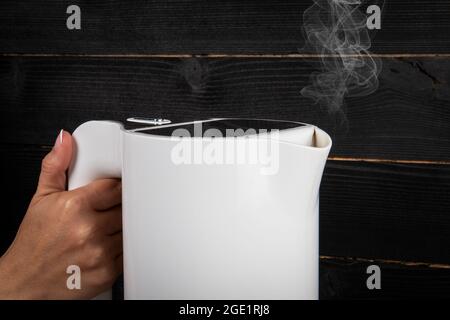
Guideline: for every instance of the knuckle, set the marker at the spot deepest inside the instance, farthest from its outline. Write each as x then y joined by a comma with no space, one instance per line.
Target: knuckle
96,257
74,203
83,233
105,276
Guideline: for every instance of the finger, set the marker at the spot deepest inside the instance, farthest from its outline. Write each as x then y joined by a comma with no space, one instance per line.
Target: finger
110,221
53,171
103,194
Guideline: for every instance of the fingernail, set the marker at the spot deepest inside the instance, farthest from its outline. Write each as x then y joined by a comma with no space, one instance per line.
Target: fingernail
59,139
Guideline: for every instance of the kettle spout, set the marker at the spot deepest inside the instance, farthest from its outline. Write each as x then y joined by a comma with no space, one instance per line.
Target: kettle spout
303,155
321,140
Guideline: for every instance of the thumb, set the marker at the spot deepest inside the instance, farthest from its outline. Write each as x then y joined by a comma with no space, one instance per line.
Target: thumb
56,162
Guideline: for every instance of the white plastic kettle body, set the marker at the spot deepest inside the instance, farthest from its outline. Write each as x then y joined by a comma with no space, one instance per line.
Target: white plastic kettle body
201,228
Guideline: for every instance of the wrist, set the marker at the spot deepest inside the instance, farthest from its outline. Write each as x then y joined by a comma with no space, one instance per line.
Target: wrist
13,285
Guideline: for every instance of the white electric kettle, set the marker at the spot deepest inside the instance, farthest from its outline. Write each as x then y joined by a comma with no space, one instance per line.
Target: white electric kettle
213,209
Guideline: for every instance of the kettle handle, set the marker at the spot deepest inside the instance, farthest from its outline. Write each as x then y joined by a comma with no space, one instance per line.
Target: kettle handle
97,154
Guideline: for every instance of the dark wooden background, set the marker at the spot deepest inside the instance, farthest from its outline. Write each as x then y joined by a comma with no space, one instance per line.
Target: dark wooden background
385,196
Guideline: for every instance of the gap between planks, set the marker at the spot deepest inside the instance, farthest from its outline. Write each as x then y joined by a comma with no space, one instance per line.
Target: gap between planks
387,261
240,56
392,161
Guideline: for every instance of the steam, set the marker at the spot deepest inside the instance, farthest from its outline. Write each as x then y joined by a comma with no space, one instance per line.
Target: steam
336,31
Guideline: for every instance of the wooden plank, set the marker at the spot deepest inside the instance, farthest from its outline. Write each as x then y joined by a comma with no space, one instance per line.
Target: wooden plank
384,211
405,119
346,279
213,26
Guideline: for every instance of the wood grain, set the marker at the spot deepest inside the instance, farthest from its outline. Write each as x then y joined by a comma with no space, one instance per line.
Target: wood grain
346,279
213,26
405,119
372,210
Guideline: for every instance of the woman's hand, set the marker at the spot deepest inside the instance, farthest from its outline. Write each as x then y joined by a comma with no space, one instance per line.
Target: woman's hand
82,227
